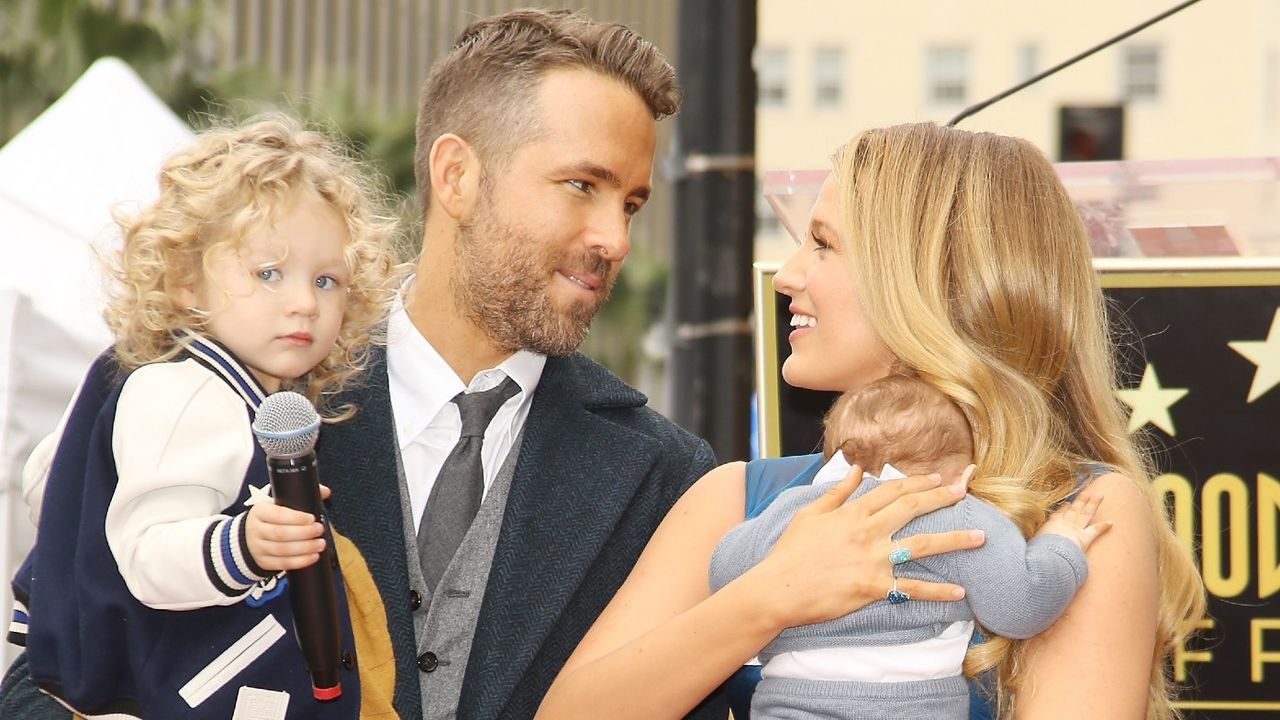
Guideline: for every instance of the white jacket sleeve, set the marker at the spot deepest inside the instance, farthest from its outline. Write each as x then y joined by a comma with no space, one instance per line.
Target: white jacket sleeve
35,472
182,444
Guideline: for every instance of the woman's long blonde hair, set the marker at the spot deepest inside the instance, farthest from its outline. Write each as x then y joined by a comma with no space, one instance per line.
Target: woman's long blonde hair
227,184
974,269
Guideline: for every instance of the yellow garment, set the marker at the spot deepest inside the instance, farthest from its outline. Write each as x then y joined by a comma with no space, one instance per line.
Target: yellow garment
375,659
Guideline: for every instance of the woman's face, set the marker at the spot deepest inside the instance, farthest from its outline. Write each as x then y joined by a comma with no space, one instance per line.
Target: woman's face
832,345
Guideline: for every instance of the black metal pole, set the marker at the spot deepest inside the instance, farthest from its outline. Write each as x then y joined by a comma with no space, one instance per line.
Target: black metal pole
1069,61
711,359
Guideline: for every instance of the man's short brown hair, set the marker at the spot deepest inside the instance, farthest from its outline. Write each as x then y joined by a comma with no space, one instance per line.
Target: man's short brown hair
484,90
900,420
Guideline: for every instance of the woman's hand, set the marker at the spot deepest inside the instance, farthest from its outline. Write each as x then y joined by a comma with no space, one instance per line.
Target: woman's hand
833,557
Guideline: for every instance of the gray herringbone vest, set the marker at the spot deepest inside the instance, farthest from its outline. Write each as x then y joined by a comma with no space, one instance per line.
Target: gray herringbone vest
445,623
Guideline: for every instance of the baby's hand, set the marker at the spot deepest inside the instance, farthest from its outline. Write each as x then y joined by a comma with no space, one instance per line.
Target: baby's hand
280,538
1075,521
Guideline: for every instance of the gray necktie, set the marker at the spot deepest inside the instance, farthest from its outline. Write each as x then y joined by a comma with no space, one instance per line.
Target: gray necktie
455,497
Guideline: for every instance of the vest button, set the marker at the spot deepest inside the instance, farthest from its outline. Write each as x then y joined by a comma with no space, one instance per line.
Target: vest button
415,600
428,662
348,660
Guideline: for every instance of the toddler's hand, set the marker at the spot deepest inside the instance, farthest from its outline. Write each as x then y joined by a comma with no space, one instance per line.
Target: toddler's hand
1075,520
280,538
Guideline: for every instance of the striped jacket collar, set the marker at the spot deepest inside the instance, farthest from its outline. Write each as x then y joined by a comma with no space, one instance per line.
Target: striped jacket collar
215,356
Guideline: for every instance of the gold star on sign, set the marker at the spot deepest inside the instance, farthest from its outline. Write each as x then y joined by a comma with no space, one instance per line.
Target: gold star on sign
1150,402
258,495
1266,355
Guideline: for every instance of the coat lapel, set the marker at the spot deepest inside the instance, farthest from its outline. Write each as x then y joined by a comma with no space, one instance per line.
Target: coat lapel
576,474
359,459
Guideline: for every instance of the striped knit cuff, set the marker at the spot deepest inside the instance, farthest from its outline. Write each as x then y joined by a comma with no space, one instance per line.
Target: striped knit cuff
18,625
227,561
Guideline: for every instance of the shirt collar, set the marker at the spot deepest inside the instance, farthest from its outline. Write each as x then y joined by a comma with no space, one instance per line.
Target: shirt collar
837,468
422,383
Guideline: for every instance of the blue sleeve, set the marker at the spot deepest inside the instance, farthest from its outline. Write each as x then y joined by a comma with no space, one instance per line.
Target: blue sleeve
979,701
768,477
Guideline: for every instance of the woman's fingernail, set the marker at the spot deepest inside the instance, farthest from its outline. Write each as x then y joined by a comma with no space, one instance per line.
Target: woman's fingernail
935,478
977,535
958,593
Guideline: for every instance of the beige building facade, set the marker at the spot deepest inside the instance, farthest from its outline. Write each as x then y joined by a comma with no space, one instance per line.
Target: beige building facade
1204,82
382,47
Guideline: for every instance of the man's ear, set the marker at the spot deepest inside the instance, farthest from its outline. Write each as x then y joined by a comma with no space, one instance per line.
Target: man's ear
455,174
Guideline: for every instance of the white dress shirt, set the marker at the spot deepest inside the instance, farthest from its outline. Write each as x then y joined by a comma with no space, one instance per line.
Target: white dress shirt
428,423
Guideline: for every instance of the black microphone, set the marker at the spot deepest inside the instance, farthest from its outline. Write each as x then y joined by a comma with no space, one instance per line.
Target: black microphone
287,427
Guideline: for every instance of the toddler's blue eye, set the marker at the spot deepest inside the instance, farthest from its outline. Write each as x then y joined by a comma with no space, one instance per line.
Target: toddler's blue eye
324,282
268,275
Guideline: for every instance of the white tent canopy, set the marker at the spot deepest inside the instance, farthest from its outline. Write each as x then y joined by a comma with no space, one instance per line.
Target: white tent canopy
100,145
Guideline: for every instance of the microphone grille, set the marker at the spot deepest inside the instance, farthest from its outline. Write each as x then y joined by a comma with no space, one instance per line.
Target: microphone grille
286,425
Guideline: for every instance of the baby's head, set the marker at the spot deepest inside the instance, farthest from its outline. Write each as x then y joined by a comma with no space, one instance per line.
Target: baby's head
247,215
903,421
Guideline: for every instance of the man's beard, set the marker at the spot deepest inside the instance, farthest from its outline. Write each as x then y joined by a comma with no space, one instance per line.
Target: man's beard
501,284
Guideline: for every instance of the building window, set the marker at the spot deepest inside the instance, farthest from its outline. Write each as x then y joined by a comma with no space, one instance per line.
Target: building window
947,75
1141,73
771,77
828,77
1028,62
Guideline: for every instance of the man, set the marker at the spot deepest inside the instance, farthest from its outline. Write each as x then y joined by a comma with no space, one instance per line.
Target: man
535,146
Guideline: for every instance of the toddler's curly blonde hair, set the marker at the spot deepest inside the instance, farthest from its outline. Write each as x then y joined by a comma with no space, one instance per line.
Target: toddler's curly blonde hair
229,183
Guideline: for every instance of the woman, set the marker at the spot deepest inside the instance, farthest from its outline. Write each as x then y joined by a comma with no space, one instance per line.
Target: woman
959,258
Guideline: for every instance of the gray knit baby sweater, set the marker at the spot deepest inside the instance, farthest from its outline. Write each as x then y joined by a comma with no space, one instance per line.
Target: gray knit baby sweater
1015,588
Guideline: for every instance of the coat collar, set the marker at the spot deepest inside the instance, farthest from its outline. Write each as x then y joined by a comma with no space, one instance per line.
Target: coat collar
577,473
599,389
359,460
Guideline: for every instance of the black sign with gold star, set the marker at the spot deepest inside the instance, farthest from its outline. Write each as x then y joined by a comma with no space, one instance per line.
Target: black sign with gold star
1200,358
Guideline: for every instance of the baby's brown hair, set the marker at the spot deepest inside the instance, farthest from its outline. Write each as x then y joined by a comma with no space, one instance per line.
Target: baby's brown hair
903,421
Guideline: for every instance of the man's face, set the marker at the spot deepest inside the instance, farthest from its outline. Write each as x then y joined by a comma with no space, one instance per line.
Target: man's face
538,255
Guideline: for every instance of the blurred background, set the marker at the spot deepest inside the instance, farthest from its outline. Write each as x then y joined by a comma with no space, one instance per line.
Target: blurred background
352,65
1202,83
771,85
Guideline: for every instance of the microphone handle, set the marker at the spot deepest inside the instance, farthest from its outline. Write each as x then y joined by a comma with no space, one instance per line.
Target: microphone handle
295,483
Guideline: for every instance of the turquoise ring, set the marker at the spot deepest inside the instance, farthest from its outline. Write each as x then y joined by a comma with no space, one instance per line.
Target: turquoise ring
899,554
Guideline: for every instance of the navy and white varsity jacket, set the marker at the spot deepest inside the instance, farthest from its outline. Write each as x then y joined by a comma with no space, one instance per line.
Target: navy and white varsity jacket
140,598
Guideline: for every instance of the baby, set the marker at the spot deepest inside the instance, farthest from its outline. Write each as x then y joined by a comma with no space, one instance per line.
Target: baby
895,658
